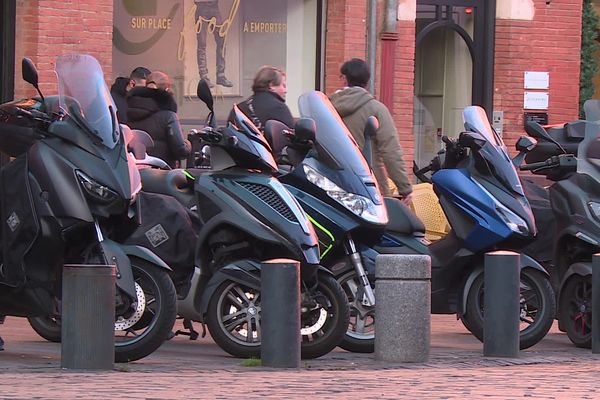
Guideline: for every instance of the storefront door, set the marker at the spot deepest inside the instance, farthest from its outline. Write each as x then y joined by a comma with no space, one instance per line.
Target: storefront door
453,68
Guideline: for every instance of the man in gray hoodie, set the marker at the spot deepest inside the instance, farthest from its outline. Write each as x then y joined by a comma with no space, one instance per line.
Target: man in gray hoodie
355,104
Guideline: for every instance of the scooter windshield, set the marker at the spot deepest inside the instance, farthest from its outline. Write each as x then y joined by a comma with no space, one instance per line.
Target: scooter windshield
494,151
83,95
589,148
332,134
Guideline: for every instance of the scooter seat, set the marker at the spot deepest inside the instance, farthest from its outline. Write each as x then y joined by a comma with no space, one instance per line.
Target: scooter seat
170,182
401,218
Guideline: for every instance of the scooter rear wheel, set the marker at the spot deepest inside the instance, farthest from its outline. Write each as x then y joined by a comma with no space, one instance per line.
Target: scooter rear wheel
575,312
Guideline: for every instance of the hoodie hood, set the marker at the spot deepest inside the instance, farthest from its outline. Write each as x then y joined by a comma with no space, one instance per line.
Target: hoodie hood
348,100
143,102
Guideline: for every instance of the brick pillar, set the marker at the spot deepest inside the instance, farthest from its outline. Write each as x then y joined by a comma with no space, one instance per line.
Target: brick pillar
545,40
46,29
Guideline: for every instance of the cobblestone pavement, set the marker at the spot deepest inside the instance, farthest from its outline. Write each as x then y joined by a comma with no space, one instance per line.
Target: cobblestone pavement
183,369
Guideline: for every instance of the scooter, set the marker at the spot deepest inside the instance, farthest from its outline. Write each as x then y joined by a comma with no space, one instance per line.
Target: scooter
69,197
247,216
570,157
334,185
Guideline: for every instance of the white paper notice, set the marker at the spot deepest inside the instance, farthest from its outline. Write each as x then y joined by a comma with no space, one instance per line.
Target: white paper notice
535,100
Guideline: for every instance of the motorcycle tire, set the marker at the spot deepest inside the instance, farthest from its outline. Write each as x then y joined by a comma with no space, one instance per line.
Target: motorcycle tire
46,327
575,312
537,312
321,328
360,335
138,337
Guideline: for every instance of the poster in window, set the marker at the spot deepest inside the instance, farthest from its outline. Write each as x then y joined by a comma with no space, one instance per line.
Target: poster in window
209,45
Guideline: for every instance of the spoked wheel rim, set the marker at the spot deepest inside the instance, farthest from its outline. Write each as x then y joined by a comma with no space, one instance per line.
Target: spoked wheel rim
579,310
239,314
141,316
362,318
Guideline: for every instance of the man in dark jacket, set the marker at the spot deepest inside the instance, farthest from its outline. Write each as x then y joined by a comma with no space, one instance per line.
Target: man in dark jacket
153,109
122,85
355,104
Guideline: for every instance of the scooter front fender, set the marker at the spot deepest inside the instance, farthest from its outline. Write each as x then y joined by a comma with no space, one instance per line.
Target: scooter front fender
525,262
119,254
580,269
244,272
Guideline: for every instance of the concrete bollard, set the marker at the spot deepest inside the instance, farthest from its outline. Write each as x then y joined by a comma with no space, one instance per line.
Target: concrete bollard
596,303
402,308
501,304
88,317
280,313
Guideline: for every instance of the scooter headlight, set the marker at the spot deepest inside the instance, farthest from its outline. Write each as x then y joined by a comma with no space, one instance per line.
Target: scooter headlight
514,222
95,190
359,205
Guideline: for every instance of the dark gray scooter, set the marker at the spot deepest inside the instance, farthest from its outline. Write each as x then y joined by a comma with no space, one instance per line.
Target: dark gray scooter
573,164
247,216
69,196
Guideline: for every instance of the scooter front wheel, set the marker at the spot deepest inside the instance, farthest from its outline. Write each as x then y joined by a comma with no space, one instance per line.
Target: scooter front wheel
138,333
360,335
233,318
537,303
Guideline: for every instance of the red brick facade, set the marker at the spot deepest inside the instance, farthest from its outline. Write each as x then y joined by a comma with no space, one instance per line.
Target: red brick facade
347,37
48,28
550,43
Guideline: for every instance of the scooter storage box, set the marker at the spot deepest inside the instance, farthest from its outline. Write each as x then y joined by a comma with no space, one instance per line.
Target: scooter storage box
17,132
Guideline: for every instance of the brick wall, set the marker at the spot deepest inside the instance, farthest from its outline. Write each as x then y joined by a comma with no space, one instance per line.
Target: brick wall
549,43
346,37
46,29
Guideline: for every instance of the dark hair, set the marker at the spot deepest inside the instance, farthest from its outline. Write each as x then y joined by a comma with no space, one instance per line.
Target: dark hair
357,72
267,76
139,73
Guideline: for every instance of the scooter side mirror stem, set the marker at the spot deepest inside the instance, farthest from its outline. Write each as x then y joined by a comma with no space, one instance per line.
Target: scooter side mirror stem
370,131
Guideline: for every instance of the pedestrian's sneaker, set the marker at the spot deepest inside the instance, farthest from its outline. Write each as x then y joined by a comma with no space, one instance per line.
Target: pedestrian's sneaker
223,81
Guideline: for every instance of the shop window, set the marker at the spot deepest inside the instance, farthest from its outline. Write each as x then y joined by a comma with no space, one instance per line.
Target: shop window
165,35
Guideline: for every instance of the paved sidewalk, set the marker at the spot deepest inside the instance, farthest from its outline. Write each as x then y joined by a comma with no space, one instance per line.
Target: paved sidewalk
184,369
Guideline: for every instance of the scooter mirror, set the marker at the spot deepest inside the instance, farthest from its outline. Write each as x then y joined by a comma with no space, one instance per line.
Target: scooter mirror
371,127
30,73
537,131
204,94
525,144
305,129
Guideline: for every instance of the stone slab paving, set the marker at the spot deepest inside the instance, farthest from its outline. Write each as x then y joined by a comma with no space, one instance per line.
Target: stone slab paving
183,369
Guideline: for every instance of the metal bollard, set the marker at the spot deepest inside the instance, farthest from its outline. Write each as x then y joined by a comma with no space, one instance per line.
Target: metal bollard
596,303
280,313
402,307
88,317
501,303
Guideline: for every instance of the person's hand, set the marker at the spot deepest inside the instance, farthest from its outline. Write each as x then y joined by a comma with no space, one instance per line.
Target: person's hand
407,199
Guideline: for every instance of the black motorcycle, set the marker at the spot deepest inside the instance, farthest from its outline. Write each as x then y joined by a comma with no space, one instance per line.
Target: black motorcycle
246,216
69,197
569,156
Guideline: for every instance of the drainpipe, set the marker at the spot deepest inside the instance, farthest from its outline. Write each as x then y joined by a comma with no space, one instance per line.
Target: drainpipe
372,43
389,37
